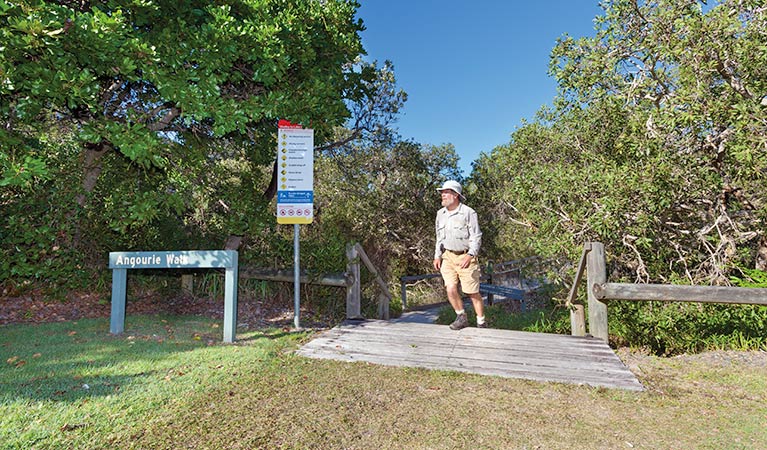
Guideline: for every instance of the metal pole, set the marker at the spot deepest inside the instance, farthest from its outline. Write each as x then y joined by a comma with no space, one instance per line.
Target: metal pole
297,277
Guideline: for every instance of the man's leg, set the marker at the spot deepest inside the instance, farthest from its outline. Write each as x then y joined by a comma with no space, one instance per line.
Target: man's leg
454,297
479,305
450,276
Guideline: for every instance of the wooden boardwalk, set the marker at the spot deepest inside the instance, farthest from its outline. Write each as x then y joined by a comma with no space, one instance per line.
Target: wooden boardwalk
514,354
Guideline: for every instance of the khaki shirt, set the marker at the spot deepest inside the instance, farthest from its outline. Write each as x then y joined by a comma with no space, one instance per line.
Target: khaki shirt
457,230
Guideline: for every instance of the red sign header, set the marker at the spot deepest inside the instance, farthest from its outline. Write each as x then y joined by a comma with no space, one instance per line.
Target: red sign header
287,124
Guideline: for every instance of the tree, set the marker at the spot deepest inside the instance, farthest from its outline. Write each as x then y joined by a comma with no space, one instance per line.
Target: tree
655,144
382,193
154,122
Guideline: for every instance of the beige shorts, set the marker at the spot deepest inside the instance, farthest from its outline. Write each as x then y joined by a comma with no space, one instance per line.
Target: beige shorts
452,272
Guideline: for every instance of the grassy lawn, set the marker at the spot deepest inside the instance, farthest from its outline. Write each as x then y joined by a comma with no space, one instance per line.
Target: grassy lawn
169,383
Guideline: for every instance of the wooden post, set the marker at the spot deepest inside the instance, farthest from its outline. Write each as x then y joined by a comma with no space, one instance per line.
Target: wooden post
596,276
577,315
383,306
403,295
353,310
577,320
187,283
489,270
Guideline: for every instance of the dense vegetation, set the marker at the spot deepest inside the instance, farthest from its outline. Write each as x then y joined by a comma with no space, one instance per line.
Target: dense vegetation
129,125
656,146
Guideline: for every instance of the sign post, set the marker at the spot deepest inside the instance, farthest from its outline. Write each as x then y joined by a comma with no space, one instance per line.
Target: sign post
295,190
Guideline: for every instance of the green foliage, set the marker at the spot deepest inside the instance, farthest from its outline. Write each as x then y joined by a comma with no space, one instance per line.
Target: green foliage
507,316
135,125
383,195
667,329
751,278
654,146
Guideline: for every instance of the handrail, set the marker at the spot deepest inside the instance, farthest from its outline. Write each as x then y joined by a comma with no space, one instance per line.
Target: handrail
355,253
600,292
577,314
330,279
406,279
681,293
349,279
373,270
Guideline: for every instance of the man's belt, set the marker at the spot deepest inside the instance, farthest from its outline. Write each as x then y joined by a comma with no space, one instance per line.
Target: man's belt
457,252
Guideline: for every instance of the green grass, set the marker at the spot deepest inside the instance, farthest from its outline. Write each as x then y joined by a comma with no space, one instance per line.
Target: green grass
168,383
74,385
498,316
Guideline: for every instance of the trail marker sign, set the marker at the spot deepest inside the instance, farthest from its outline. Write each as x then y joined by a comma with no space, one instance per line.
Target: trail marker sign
295,173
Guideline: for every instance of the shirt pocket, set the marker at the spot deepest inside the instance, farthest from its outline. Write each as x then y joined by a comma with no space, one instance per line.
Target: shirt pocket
459,229
441,235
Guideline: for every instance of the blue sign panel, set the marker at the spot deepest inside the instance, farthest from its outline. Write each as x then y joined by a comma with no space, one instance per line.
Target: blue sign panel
295,196
172,260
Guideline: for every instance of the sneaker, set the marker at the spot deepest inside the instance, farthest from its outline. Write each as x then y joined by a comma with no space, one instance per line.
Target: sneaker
460,322
482,325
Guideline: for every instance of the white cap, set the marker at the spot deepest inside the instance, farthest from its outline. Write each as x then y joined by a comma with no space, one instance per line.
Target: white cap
453,186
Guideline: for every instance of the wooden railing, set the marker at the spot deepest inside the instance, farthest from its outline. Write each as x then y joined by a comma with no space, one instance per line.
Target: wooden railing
351,280
354,254
490,273
600,292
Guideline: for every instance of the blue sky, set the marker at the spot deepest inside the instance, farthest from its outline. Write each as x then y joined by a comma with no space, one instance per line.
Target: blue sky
473,69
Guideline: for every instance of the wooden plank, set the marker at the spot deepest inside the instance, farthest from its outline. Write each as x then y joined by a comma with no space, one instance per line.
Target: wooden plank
501,343
511,369
339,280
412,332
596,274
680,293
607,382
486,349
479,358
514,354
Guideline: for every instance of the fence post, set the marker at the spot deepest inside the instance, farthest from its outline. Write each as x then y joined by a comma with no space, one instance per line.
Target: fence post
577,320
403,294
383,306
490,297
597,275
353,310
187,283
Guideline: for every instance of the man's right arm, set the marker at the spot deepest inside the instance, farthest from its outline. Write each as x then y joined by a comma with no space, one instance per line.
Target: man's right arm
437,246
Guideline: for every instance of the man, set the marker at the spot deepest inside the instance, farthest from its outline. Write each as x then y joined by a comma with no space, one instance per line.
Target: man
455,255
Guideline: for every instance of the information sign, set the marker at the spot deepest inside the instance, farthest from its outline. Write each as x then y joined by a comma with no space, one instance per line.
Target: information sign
295,173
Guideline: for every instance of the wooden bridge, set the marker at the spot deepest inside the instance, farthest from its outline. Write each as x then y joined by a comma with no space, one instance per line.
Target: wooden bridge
410,342
414,341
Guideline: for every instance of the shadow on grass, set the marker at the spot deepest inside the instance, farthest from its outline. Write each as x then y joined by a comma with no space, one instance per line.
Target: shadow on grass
71,361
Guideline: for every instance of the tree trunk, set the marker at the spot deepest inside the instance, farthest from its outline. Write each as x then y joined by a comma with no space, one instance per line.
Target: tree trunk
92,154
91,169
271,191
233,242
761,255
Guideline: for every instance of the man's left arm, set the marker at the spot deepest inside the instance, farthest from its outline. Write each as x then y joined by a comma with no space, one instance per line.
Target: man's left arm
475,234
475,240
